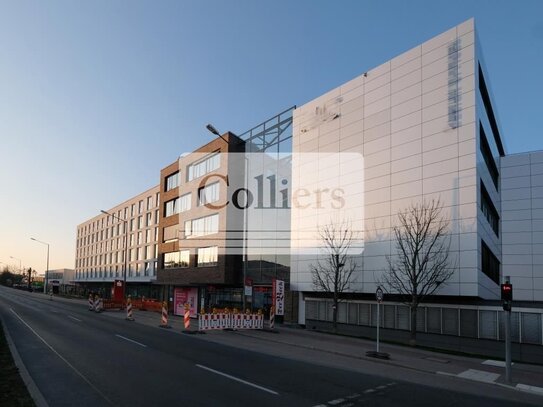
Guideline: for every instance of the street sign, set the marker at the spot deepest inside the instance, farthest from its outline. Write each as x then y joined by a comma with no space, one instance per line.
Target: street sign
379,295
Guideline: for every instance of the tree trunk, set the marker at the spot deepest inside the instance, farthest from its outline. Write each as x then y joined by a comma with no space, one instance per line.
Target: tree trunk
413,333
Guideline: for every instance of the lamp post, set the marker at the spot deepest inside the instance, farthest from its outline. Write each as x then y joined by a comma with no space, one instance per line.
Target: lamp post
214,131
125,246
47,270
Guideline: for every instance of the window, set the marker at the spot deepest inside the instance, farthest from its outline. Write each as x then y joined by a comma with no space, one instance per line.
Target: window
172,181
171,207
208,194
490,265
149,219
132,209
203,226
207,256
490,212
156,217
176,259
486,152
184,202
140,222
201,168
140,206
184,258
149,202
489,112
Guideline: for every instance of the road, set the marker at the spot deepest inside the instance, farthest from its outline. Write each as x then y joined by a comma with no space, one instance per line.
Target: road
76,357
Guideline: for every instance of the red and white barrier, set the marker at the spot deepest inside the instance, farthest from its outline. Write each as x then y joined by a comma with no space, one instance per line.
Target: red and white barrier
272,317
186,317
99,305
91,303
129,316
164,318
230,321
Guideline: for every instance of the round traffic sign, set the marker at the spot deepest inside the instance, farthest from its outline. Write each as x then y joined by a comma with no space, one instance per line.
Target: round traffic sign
379,294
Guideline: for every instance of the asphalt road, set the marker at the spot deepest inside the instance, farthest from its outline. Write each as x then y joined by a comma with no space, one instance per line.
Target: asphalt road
79,358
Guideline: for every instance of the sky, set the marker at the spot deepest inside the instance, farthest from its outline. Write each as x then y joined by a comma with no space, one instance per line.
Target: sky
97,96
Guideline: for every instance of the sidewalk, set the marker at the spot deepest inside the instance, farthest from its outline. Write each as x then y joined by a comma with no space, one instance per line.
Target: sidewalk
525,377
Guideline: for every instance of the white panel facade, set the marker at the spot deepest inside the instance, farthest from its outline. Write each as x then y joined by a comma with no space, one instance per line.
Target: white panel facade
413,120
522,223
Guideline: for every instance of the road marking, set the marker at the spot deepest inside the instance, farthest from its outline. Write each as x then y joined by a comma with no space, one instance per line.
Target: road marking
368,391
336,401
237,379
479,375
353,396
381,387
64,360
131,340
74,318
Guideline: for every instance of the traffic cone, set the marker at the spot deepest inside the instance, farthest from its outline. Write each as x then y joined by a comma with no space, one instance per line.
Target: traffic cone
164,319
129,309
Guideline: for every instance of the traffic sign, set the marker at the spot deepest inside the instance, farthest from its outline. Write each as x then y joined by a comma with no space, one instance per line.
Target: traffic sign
379,294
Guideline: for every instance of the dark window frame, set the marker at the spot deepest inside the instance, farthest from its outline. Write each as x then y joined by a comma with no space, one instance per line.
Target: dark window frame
490,265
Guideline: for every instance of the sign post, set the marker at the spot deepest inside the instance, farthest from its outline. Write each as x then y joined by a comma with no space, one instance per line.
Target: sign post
507,298
379,297
377,353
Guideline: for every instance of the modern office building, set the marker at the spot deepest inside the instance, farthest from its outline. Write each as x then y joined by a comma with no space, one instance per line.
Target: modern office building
422,127
61,281
126,235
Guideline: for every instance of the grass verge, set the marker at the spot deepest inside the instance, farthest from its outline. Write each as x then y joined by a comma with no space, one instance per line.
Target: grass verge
13,392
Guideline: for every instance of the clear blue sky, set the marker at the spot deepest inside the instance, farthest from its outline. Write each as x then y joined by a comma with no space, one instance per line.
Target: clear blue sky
97,96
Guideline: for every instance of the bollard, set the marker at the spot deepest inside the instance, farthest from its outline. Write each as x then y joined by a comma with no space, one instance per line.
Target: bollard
91,303
187,317
129,309
272,317
164,318
96,302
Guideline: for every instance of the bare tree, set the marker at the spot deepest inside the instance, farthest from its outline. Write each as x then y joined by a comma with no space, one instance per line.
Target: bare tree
333,272
421,261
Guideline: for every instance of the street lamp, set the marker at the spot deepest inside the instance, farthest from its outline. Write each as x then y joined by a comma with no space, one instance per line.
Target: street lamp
214,131
47,270
125,246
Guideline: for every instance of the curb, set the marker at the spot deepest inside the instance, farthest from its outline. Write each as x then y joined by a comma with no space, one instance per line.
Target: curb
31,386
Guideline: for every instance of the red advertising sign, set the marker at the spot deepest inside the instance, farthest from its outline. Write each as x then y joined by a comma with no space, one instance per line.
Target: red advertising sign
182,296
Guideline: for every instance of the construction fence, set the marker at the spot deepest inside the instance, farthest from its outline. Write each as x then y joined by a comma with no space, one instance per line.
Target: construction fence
481,322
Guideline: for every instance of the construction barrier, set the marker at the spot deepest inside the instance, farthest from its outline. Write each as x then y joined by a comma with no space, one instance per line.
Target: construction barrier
186,317
96,302
230,321
91,303
129,316
272,317
112,304
99,305
164,317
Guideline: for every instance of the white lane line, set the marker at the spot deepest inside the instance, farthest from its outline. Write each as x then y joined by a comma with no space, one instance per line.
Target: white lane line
381,387
336,401
131,340
74,318
237,379
368,391
353,396
64,360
